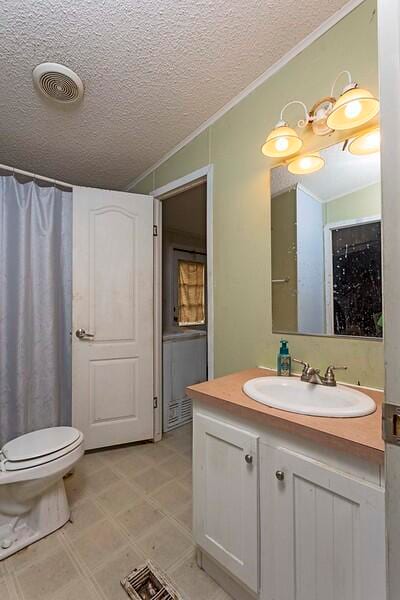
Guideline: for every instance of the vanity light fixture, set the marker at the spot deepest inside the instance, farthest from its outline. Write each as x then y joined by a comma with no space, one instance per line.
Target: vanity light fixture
306,164
319,115
284,141
354,107
367,143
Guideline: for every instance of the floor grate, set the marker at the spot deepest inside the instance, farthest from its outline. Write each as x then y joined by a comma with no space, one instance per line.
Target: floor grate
149,583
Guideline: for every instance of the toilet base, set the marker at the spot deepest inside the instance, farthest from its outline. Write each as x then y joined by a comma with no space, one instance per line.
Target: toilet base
49,513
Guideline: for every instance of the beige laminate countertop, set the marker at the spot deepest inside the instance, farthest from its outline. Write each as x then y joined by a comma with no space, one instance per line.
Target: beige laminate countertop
358,435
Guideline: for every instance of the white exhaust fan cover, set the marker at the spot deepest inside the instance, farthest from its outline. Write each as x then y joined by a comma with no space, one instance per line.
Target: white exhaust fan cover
58,82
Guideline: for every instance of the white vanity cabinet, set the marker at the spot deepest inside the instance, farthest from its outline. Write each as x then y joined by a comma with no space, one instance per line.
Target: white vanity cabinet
295,521
226,491
322,531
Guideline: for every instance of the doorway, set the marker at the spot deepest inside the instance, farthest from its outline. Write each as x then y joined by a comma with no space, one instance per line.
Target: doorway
183,286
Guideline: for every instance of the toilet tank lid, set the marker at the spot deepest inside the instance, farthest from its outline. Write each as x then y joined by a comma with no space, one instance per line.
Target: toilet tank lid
40,443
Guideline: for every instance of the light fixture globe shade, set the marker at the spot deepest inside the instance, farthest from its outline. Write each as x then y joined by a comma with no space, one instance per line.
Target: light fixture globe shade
282,141
353,108
306,164
366,143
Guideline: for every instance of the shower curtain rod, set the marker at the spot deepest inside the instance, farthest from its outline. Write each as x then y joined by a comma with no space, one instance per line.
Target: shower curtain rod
34,176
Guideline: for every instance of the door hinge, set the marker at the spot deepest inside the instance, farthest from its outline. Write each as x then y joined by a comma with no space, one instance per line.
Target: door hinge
155,402
391,423
155,230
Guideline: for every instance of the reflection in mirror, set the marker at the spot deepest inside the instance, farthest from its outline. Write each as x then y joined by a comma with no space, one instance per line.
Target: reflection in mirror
326,247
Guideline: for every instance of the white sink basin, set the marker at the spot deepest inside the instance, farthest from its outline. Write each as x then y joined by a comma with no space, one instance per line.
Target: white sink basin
293,395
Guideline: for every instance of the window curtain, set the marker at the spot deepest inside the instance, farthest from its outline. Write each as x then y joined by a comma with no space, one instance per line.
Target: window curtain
191,293
35,307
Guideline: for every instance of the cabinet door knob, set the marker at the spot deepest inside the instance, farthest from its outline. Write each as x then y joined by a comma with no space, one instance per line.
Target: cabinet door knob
248,458
280,475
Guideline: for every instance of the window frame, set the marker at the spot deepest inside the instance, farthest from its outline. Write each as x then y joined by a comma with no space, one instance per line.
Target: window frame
329,306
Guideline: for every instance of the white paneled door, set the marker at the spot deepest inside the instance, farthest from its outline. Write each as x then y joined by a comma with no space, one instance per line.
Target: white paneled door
112,335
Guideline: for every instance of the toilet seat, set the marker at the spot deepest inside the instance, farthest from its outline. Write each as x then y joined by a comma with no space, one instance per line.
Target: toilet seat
39,447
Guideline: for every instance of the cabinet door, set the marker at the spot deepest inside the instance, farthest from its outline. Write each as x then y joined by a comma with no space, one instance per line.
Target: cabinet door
226,496
322,531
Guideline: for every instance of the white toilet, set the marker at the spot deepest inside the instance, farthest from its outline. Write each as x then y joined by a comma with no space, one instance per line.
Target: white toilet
33,502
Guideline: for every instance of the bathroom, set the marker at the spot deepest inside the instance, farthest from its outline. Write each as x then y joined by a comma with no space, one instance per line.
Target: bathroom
159,239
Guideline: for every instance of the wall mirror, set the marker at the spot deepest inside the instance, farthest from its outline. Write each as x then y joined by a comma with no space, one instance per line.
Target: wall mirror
326,247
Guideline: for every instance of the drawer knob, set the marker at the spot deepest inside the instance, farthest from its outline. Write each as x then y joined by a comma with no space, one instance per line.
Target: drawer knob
248,458
280,475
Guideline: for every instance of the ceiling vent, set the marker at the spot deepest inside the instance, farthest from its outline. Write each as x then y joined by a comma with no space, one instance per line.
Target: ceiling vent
58,82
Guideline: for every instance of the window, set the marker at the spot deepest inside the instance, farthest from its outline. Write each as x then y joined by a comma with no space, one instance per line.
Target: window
191,293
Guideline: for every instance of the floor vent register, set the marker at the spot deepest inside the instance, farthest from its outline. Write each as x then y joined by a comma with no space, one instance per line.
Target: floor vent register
149,583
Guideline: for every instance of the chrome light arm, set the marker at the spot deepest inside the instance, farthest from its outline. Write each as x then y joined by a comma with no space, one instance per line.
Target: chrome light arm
302,122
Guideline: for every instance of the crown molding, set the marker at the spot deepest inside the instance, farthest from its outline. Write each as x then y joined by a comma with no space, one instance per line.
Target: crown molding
307,41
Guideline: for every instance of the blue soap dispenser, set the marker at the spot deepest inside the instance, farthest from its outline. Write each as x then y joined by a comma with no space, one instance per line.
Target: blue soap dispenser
284,361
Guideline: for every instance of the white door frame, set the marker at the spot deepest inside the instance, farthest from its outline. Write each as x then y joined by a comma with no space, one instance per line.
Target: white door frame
179,185
329,316
157,328
389,73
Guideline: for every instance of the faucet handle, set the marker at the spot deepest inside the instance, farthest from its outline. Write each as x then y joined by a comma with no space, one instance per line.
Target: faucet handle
334,368
330,374
306,365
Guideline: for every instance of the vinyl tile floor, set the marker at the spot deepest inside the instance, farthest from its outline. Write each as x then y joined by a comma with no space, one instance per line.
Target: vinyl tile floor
128,504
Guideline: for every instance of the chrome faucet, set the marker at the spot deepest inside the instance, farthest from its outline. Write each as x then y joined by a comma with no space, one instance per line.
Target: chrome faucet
311,375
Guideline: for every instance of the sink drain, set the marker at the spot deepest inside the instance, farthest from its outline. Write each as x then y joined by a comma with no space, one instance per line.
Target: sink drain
149,583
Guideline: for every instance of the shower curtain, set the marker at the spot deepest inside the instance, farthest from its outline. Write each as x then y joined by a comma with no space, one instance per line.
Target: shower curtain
35,307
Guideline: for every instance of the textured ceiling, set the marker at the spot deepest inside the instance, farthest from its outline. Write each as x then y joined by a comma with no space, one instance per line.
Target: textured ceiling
153,71
343,173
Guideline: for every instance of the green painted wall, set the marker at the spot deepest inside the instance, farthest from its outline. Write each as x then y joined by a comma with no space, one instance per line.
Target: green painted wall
361,203
242,257
194,156
146,185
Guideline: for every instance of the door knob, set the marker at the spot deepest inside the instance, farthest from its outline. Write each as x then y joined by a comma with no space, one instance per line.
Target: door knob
81,334
280,475
248,458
